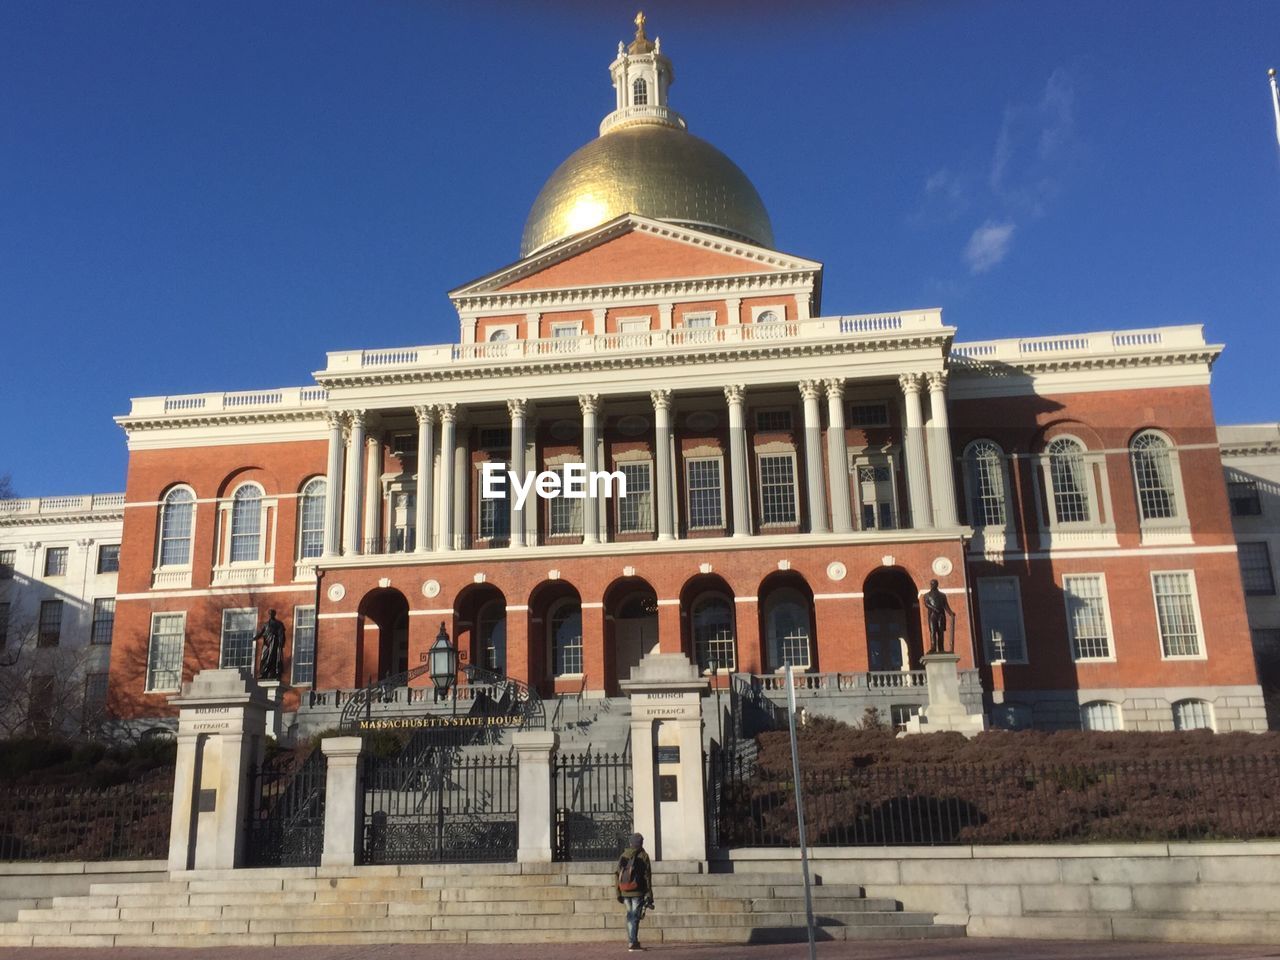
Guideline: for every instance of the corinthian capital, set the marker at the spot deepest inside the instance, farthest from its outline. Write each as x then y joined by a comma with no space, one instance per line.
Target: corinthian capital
589,403
358,418
810,389
734,393
661,399
335,418
910,382
834,388
426,413
517,408
448,412
937,381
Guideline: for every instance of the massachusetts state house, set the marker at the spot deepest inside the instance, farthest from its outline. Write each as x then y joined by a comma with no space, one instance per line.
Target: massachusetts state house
795,480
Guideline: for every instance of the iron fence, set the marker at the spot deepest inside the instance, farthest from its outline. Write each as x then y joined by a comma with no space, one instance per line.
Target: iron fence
1218,798
125,822
593,803
284,817
431,804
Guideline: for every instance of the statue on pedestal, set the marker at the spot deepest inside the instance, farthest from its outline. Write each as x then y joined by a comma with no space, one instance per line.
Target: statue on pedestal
272,635
935,602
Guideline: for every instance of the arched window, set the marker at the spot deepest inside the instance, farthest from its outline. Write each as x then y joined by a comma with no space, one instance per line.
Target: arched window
1068,480
311,519
713,632
176,517
768,316
984,482
246,523
788,629
1192,715
1153,474
491,636
639,92
1101,715
498,336
564,629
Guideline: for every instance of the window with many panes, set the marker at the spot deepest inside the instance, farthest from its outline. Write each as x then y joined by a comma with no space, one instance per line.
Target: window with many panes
311,519
104,620
49,629
55,562
176,517
1101,715
773,420
1192,715
704,483
875,495
246,523
1086,600
564,514
565,628
1068,481
109,558
238,628
495,516
1153,474
164,651
713,638
303,662
635,510
8,560
1175,597
95,700
778,489
1255,569
700,321
1000,610
1244,498
869,414
41,702
984,475
491,632
787,629
639,92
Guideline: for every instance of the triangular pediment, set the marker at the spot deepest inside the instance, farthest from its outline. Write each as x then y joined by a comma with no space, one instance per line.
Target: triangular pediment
632,249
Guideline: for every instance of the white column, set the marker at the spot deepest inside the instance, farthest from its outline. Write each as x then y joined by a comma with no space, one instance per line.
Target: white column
372,494
425,489
351,504
462,484
342,824
733,395
589,404
913,444
448,440
536,817
518,409
662,454
733,311
940,465
838,459
333,487
813,457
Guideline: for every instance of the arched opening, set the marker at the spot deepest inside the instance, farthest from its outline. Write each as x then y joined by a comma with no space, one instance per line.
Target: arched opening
557,657
382,636
787,623
480,627
631,619
707,612
892,607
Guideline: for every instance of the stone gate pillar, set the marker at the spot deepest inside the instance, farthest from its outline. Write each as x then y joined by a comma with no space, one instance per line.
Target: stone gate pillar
221,723
666,756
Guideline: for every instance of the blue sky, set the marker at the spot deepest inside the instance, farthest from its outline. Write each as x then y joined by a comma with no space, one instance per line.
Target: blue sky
208,196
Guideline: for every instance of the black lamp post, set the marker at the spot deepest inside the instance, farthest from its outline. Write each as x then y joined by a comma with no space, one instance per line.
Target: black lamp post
442,660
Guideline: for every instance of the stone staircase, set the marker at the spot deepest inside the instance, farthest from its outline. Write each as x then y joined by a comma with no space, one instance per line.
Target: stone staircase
456,903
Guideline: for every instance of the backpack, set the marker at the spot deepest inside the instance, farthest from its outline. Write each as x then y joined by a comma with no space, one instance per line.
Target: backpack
629,872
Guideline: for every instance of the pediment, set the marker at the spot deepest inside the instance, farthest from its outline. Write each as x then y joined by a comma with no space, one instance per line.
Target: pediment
632,249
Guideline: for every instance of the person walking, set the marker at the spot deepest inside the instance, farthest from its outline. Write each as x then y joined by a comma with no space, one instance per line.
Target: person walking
634,883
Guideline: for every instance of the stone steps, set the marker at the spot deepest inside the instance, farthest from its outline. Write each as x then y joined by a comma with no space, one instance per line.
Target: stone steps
454,903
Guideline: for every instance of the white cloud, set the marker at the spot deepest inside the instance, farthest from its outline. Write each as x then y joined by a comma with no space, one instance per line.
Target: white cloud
988,245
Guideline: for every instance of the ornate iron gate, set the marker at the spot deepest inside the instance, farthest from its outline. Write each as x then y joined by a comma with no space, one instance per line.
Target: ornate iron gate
430,803
284,817
593,803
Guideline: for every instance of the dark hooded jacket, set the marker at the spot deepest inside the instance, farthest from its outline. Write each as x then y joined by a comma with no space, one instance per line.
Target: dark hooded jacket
643,867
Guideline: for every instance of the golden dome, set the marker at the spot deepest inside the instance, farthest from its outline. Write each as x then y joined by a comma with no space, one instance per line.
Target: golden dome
652,169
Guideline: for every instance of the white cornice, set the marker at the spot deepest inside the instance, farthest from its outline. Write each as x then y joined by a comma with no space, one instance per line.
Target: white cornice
132,424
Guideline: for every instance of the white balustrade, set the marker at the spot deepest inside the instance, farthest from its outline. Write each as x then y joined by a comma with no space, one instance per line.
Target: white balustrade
1107,343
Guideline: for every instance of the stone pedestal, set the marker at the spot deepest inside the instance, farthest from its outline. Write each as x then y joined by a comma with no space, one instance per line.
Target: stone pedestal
221,723
341,801
945,710
271,688
666,754
536,817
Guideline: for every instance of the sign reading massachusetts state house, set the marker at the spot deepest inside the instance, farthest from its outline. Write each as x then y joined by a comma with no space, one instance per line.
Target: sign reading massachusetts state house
425,723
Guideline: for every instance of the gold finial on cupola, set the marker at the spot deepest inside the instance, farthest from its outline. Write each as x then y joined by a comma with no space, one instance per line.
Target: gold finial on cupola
641,44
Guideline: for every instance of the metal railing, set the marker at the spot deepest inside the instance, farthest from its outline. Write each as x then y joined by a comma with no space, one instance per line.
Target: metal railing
593,804
1214,798
125,822
284,817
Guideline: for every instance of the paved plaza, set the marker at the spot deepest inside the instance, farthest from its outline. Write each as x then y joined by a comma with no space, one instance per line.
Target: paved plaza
852,950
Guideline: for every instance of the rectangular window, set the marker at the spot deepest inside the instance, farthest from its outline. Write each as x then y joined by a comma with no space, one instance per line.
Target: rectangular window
875,495
699,321
1255,569
55,562
50,630
495,439
774,420
1101,715
564,330
869,415
8,559
1175,596
564,515
4,624
1245,501
164,653
778,489
104,620
705,487
635,510
1000,609
304,646
1086,600
109,558
495,517
95,701
238,628
41,705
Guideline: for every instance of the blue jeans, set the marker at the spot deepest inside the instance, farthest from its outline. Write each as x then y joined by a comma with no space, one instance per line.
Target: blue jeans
635,913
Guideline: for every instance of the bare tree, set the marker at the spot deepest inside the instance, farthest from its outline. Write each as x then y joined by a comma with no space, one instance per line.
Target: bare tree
44,690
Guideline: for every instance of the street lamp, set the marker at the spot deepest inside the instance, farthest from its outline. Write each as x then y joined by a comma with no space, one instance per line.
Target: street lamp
442,660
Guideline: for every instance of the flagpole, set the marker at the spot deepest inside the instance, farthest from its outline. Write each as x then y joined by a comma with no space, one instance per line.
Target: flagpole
1275,100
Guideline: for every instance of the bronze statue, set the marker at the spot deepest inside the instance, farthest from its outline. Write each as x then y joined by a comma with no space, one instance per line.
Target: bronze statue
272,636
935,602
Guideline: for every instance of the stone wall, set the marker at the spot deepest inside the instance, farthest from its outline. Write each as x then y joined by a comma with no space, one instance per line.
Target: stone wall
25,886
1191,892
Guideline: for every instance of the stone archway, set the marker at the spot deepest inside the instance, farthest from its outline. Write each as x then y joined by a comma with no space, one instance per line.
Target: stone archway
631,609
892,611
384,635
